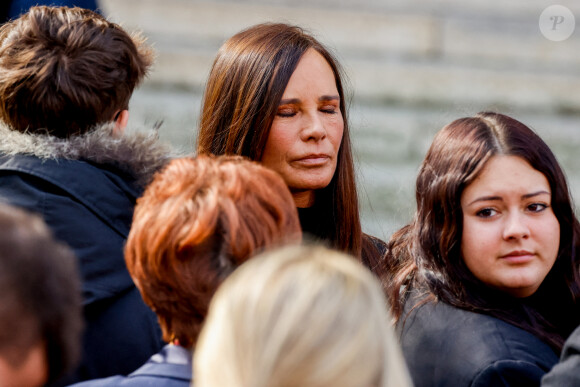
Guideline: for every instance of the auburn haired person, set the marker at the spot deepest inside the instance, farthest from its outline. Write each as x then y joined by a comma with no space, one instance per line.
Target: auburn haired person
198,220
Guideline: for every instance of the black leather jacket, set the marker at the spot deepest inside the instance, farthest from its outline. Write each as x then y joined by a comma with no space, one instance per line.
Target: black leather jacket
567,372
447,346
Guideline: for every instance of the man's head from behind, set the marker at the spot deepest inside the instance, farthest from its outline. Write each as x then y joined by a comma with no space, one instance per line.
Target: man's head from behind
40,302
64,70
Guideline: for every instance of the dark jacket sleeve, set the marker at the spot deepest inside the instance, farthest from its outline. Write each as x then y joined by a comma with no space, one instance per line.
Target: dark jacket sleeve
90,209
509,373
567,372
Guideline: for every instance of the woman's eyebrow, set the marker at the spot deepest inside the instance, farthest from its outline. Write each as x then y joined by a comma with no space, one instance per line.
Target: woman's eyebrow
329,98
531,195
485,199
289,101
526,196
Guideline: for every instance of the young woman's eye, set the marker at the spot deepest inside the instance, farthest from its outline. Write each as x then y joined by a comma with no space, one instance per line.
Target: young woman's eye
486,213
286,112
537,207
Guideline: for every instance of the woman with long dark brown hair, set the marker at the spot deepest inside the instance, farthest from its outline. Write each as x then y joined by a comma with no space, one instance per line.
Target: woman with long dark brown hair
485,280
275,95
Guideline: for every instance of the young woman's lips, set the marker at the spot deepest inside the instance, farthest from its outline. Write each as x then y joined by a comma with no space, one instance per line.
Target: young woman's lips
313,160
518,256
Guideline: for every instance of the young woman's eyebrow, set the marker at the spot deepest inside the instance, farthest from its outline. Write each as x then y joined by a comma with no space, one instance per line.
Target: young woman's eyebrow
531,195
526,196
485,199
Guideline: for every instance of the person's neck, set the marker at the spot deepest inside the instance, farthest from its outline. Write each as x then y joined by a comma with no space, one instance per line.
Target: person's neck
303,199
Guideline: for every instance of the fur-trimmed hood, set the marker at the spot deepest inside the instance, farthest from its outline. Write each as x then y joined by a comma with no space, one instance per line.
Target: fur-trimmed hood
137,153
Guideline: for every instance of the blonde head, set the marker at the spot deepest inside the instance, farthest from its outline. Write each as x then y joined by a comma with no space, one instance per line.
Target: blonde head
299,316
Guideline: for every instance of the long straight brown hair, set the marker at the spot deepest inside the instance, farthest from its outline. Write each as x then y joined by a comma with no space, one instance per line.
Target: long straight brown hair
426,254
245,86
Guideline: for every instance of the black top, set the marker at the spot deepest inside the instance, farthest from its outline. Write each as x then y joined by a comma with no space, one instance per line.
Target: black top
316,228
567,372
447,346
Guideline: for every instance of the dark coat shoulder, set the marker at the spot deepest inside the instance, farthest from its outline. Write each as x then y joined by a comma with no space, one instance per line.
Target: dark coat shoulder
447,346
85,189
567,372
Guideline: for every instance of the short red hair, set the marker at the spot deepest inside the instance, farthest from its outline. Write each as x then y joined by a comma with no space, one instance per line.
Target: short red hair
197,221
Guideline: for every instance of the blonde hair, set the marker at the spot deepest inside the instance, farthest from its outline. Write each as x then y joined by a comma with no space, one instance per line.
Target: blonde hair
299,316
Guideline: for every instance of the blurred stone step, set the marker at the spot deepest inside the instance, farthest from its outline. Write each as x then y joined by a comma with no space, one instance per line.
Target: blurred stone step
429,53
411,82
210,23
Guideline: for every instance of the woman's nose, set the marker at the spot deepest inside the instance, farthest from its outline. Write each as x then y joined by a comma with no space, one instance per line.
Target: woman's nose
516,227
313,128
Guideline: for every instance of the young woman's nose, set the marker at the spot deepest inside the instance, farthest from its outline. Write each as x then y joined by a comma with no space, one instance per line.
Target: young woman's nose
313,128
515,226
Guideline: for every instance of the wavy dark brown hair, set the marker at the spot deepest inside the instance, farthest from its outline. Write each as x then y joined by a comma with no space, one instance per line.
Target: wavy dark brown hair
64,70
243,92
197,221
426,254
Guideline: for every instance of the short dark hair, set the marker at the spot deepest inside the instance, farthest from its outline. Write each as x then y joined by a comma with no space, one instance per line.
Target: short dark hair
64,70
40,293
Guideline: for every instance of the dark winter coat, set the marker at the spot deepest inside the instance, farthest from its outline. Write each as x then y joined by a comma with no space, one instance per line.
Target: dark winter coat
447,346
567,372
85,188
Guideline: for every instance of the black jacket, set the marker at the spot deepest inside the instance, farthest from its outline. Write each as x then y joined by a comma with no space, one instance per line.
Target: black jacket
85,189
447,346
567,372
315,228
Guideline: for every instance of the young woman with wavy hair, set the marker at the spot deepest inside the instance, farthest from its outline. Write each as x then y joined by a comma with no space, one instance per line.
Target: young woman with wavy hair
275,94
486,274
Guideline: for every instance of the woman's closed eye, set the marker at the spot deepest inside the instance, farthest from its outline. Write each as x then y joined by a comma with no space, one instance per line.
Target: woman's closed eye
329,109
286,112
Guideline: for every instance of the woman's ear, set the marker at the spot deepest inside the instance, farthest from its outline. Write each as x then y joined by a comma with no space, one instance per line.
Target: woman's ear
121,121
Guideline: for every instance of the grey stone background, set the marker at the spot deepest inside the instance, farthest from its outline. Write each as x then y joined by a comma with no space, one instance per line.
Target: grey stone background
413,66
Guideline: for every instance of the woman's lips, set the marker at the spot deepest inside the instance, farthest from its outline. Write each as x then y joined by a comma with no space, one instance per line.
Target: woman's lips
518,256
313,160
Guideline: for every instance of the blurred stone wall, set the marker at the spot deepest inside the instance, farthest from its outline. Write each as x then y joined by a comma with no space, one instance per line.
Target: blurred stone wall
413,66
